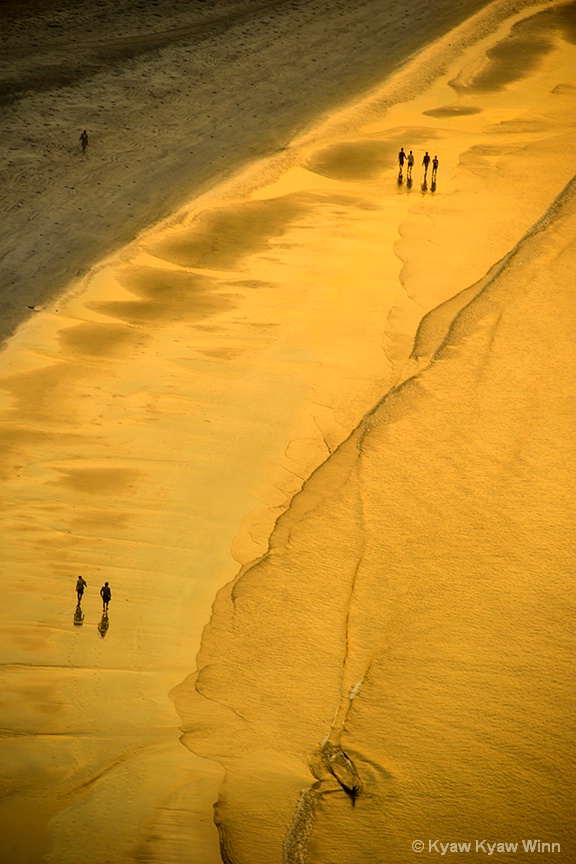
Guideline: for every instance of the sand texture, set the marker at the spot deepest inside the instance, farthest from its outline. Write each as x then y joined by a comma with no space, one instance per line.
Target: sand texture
423,578
312,421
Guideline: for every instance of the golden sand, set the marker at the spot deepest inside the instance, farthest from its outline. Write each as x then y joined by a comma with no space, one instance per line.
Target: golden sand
405,621
398,665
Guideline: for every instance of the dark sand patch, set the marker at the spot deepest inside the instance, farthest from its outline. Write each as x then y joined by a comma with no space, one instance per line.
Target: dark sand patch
98,480
353,160
522,51
47,395
97,520
452,111
99,340
366,160
219,238
165,297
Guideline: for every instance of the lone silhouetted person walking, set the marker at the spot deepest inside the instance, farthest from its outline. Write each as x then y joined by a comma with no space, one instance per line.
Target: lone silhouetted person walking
84,140
410,164
426,163
81,584
434,167
106,595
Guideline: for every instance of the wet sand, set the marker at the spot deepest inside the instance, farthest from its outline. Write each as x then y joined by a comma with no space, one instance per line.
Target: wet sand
162,417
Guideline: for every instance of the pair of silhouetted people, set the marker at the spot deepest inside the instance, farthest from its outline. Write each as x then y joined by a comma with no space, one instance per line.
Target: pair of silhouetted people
426,162
105,592
409,159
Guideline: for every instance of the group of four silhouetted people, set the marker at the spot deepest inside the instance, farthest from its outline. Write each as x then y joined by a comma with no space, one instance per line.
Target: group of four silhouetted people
409,159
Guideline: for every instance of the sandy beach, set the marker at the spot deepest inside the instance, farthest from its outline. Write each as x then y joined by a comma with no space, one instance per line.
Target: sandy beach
313,422
176,96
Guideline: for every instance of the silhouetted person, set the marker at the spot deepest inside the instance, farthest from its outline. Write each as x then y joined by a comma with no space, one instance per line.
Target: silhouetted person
106,595
434,168
401,158
410,159
81,584
84,140
426,163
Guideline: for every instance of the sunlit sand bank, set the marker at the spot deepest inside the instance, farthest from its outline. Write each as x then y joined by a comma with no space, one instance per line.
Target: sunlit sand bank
192,384
399,665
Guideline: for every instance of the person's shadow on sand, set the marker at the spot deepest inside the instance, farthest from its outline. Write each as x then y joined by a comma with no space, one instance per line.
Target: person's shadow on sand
78,616
103,625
